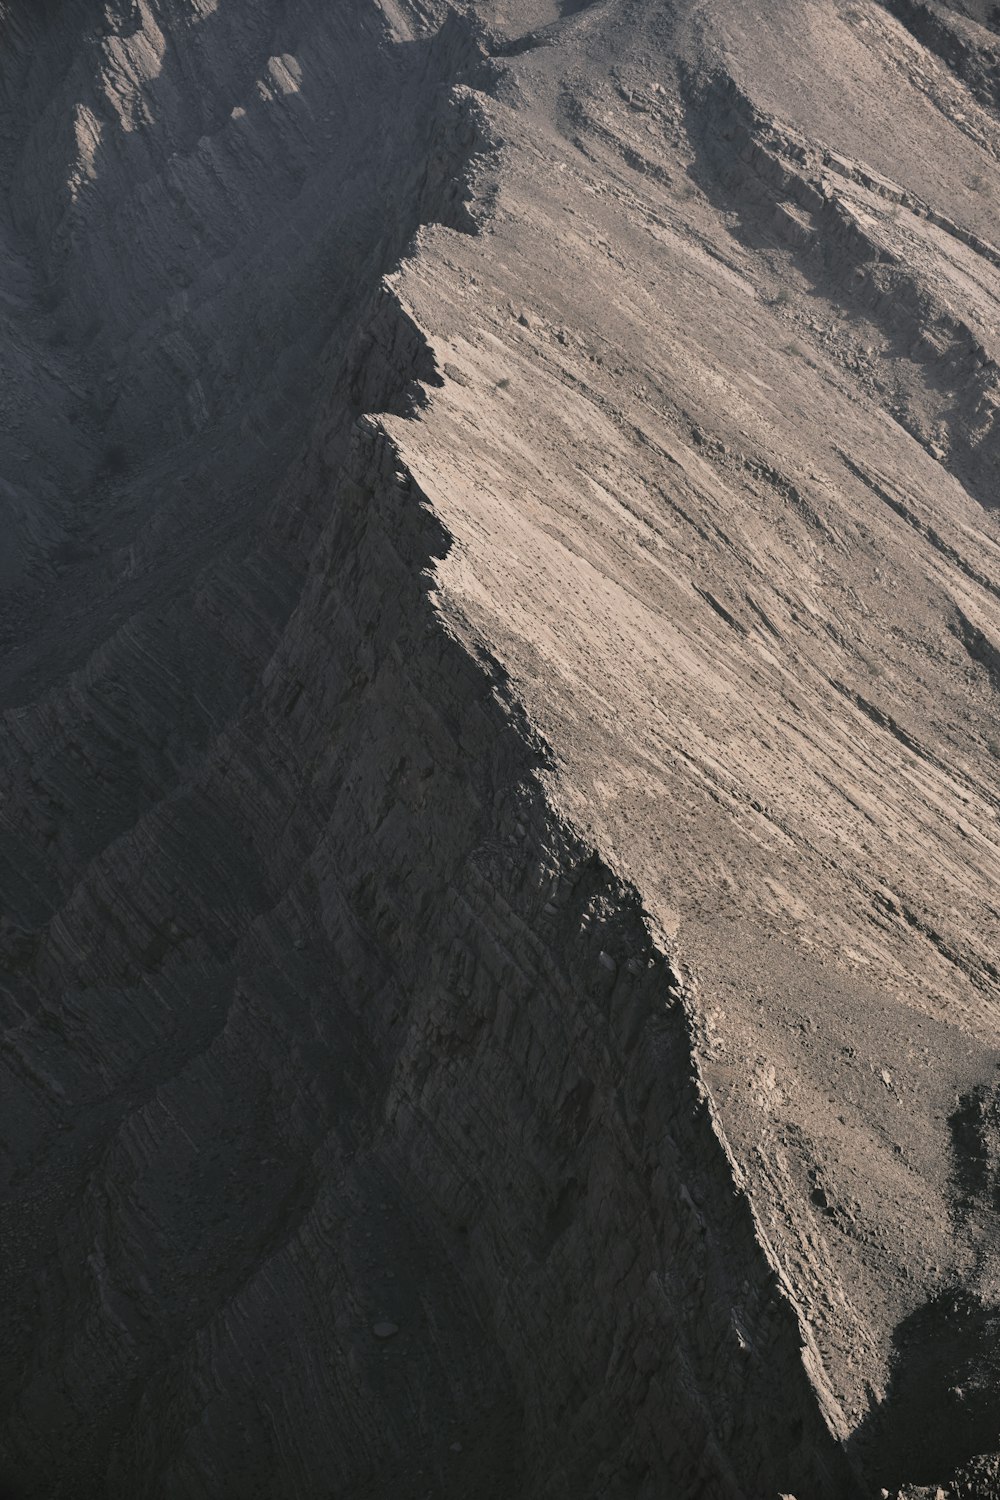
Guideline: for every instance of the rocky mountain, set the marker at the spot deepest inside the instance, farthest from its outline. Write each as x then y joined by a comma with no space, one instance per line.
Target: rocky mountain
500,621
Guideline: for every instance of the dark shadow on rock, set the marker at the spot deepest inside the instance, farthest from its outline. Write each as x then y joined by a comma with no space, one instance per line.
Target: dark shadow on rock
943,1404
975,1124
941,1415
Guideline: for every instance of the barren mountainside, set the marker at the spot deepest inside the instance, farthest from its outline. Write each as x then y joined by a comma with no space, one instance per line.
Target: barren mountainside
500,691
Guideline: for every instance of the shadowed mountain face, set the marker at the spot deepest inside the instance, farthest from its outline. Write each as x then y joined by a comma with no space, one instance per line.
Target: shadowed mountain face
500,624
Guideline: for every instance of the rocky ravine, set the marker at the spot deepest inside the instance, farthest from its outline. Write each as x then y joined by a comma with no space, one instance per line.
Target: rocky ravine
498,843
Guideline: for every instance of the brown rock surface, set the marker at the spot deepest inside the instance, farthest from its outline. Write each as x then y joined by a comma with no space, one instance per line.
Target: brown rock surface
498,836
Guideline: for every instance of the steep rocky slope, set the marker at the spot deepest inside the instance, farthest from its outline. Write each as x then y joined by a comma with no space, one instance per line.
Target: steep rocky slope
498,840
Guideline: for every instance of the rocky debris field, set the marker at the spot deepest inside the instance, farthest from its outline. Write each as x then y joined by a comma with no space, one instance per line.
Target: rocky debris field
499,816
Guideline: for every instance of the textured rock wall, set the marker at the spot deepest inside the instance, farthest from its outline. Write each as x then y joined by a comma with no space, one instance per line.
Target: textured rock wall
704,495
199,201
347,1030
315,1018
352,1137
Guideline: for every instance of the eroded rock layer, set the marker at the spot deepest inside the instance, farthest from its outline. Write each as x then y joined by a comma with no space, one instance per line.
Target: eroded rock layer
497,841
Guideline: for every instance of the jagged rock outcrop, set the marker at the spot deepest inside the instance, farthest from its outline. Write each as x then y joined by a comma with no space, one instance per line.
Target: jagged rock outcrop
498,944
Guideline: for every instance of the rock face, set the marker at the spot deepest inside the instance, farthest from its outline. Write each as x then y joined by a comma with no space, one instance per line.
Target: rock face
498,934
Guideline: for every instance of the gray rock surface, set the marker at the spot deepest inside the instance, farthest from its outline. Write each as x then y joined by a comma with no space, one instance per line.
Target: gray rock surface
498,785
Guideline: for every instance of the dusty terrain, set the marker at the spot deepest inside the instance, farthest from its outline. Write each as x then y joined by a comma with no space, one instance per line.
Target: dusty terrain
500,609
